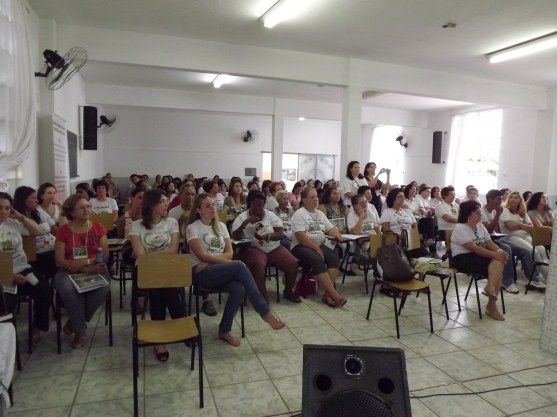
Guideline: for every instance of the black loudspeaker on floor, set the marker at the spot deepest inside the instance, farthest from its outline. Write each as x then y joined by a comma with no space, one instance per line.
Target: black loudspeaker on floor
351,381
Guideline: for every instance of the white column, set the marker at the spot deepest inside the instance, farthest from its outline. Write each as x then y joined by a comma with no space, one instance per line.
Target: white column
548,338
278,140
351,126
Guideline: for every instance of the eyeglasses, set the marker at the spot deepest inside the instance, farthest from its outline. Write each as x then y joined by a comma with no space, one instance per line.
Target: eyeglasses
83,208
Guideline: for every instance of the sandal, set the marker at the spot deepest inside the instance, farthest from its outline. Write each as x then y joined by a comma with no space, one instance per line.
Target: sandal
162,356
341,302
495,315
273,321
231,340
329,301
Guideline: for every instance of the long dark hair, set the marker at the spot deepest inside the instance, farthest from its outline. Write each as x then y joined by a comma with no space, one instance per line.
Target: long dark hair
349,173
535,201
21,194
325,197
365,169
150,199
392,196
42,189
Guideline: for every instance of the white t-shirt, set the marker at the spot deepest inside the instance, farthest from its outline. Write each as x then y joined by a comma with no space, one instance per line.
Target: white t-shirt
463,234
398,220
267,224
10,240
443,208
176,213
219,201
285,219
109,205
370,222
271,203
351,186
45,217
158,237
315,224
213,244
506,215
414,206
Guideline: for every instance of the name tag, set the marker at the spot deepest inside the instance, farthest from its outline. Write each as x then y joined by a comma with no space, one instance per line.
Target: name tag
80,252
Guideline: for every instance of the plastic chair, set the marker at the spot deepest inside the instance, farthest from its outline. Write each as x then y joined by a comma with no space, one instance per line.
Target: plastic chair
165,271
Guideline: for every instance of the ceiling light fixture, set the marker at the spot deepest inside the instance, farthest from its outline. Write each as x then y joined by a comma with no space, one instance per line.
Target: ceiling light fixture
281,10
301,118
524,48
221,79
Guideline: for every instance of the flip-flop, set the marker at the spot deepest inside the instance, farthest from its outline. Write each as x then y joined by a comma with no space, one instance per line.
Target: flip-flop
231,340
341,302
329,301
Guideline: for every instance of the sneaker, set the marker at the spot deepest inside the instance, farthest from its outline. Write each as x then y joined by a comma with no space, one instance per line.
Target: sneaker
208,308
513,289
537,286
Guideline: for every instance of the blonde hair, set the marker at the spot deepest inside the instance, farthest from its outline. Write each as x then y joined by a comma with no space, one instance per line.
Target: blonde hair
194,215
521,211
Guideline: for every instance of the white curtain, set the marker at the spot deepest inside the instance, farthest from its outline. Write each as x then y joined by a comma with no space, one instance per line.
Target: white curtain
17,86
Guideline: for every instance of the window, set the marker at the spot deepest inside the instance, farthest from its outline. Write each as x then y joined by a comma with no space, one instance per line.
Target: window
386,152
474,150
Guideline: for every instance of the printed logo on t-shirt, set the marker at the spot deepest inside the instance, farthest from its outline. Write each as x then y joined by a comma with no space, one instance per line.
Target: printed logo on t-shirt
213,243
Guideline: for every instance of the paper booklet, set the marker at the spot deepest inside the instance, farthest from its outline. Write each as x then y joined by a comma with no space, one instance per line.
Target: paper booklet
87,282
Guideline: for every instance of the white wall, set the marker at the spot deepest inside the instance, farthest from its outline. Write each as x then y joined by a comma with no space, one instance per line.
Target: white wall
176,142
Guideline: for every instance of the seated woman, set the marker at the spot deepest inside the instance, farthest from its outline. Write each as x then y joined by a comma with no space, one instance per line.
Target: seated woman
29,280
156,232
517,225
422,214
396,218
310,228
25,202
170,192
284,213
538,210
102,203
265,230
363,220
334,209
271,203
50,207
446,211
236,201
294,198
75,250
473,252
214,268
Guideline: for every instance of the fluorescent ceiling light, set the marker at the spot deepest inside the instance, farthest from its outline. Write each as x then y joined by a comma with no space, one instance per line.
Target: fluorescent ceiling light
282,10
221,79
524,48
301,119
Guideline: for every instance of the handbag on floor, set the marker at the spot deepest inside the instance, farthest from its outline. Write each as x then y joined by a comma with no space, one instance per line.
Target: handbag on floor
305,285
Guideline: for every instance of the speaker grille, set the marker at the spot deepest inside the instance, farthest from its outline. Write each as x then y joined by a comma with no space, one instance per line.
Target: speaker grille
355,404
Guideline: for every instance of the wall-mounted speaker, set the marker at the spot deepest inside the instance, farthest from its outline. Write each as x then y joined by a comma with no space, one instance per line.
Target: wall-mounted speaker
437,147
90,128
352,381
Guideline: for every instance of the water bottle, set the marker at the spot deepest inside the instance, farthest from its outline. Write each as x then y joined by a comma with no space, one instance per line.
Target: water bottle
99,259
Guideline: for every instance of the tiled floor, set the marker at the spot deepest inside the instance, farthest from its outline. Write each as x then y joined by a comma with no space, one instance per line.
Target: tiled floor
264,376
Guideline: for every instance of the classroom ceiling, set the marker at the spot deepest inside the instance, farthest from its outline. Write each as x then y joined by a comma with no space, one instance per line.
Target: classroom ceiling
405,32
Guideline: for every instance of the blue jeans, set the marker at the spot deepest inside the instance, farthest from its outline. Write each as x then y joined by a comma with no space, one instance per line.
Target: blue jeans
236,279
508,270
524,253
